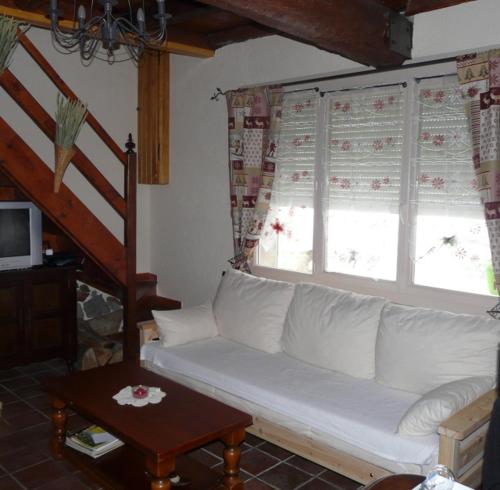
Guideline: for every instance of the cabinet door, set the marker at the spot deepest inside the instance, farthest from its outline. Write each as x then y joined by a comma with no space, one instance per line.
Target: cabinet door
45,297
11,323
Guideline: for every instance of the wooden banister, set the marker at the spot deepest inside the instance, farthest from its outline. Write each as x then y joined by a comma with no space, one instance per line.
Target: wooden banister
66,90
130,331
45,122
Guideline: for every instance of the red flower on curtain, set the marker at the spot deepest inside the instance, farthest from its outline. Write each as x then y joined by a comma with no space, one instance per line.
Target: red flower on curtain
439,96
277,227
375,185
346,107
438,183
346,145
345,184
423,179
378,145
438,140
425,136
379,105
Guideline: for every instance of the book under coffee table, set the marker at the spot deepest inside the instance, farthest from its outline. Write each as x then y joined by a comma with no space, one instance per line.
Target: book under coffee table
154,435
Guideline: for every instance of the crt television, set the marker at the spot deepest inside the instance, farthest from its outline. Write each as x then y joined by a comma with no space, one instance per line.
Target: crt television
20,235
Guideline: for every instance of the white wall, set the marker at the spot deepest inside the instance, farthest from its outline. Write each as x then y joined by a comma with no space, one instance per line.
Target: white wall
111,94
191,232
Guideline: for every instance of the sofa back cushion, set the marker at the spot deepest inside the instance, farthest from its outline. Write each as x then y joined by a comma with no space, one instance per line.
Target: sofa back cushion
333,329
177,327
419,349
252,310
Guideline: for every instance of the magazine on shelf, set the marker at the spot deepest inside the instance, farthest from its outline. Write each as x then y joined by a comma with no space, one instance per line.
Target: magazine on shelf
93,441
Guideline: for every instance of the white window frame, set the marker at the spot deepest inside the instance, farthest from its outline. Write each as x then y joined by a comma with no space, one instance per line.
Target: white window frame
402,290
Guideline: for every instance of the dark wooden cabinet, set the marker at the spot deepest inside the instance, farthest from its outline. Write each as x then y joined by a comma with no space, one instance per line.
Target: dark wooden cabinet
37,315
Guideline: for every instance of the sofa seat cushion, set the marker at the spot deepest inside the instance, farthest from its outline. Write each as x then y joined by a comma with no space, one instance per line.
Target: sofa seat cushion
252,310
360,412
419,349
333,329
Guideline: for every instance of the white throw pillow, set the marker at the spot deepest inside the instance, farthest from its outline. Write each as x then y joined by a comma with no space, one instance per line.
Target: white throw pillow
251,310
333,329
420,349
426,414
186,325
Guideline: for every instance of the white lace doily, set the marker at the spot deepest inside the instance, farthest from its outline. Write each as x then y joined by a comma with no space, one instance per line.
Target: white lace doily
125,397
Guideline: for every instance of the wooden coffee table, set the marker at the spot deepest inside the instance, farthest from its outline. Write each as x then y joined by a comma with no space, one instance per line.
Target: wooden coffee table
154,435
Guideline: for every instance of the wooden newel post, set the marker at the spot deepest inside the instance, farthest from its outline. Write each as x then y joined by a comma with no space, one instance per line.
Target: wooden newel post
130,331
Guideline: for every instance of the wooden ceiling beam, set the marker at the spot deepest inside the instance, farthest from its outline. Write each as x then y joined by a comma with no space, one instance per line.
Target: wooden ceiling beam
419,6
356,29
178,42
238,34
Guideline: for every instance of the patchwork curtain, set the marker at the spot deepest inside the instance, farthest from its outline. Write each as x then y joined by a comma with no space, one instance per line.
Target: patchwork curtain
479,76
254,117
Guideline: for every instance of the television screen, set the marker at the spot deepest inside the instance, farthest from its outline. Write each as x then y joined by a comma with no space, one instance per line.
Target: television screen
14,232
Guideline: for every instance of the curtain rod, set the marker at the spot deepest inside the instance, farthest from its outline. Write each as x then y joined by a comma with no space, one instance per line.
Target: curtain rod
375,71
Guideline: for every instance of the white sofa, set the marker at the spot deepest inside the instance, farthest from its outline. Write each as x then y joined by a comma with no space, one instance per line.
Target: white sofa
355,383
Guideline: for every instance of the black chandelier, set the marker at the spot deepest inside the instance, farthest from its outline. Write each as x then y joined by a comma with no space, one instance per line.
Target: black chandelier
103,36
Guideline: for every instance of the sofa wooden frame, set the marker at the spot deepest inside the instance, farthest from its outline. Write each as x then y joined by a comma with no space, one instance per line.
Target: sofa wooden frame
461,439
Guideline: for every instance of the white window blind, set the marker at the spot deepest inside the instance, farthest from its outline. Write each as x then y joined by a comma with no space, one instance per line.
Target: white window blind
365,138
444,177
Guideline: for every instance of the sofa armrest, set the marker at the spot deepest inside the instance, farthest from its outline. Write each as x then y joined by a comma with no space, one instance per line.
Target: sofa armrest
148,332
470,418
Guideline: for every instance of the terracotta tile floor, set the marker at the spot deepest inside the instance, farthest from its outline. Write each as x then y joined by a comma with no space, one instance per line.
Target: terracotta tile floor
26,462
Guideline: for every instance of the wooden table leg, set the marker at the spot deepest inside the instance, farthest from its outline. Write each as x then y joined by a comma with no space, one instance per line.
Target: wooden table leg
232,454
160,471
59,430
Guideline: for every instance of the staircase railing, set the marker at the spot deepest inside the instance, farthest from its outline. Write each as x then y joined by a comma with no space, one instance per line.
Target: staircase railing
124,206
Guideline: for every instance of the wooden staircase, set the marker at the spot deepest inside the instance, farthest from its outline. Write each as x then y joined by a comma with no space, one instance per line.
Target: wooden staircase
22,166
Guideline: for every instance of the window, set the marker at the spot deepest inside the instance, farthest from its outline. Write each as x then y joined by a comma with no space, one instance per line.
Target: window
363,158
377,184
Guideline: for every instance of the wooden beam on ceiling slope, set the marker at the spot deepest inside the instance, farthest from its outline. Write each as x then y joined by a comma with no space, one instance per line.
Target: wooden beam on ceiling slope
356,29
178,42
418,6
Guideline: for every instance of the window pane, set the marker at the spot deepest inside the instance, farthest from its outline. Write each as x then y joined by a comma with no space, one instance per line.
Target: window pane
287,237
364,151
451,248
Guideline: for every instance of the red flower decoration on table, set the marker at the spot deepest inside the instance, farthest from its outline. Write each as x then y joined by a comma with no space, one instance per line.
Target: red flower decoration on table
140,391
278,227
